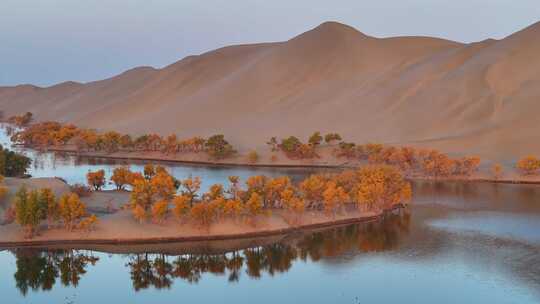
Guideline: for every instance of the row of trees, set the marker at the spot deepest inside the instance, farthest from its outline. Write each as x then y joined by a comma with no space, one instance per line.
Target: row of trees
157,195
409,160
32,207
294,148
428,162
53,134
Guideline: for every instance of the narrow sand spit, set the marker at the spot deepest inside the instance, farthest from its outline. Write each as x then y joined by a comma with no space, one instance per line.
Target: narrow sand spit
117,226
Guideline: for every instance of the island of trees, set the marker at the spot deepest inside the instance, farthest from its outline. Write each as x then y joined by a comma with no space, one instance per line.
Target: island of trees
156,196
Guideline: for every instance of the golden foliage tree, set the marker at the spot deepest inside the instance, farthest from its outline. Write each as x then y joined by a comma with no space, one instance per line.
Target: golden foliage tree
139,213
159,211
334,198
497,171
163,185
181,206
48,202
204,214
254,207
313,188
121,177
381,187
142,194
28,212
293,203
191,186
89,223
253,156
96,179
233,208
529,165
71,210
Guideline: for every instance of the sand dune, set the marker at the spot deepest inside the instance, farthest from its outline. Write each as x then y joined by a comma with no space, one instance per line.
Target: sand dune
478,98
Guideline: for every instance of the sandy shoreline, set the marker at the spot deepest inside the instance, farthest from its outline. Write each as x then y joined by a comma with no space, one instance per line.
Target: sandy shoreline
118,227
263,232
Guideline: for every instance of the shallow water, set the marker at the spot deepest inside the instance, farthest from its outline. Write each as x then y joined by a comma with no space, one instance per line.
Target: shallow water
457,243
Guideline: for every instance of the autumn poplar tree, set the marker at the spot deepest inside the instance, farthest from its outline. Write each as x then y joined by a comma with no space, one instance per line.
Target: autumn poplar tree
121,177
96,179
71,210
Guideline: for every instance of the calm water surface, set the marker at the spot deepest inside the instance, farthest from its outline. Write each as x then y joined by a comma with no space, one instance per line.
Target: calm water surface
457,243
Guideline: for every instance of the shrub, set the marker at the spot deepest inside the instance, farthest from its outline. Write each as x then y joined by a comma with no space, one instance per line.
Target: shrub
253,157
332,137
529,165
218,148
315,139
290,144
497,171
81,190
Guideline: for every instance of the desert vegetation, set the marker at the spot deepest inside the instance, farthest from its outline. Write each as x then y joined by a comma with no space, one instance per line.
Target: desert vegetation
156,195
13,164
529,165
32,207
21,120
412,162
50,134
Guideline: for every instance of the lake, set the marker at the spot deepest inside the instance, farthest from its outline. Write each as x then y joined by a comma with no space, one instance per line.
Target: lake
458,242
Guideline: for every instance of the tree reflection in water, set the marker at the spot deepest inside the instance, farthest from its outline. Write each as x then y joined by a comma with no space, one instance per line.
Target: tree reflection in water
39,269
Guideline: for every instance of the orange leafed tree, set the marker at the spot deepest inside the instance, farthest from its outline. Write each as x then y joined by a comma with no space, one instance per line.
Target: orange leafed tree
89,223
159,211
163,185
191,186
254,207
204,214
313,188
121,177
96,179
71,210
233,208
181,206
497,171
293,203
334,198
381,187
529,165
139,213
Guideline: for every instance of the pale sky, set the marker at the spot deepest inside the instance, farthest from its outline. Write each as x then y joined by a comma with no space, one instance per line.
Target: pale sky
44,42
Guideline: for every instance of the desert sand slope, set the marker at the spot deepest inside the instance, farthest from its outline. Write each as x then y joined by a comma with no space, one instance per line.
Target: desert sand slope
463,98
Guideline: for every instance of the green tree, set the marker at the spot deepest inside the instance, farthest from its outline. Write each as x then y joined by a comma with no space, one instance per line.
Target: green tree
218,148
332,137
315,139
28,211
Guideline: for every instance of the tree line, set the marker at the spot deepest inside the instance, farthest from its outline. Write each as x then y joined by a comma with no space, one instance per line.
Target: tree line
49,134
156,195
412,161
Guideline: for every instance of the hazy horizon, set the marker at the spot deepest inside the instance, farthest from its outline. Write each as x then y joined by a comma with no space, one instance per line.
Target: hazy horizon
48,42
